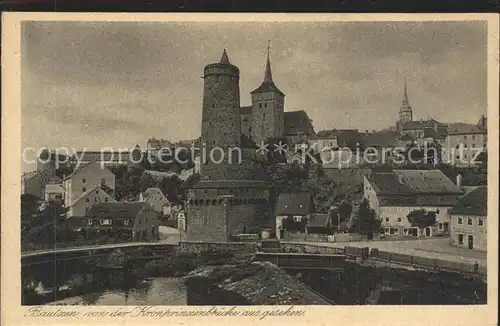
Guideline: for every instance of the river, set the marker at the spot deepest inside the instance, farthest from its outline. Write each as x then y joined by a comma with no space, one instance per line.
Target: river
153,291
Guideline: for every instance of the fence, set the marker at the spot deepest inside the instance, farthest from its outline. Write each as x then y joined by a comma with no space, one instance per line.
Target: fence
427,262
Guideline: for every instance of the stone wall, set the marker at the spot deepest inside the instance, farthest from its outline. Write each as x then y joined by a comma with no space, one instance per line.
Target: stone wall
206,223
310,248
196,247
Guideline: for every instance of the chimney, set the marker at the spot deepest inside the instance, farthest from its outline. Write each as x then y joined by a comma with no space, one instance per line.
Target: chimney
459,180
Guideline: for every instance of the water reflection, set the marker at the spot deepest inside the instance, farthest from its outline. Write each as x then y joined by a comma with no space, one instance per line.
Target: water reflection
157,291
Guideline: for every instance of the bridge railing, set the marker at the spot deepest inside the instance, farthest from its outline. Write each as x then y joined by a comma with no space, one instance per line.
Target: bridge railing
28,247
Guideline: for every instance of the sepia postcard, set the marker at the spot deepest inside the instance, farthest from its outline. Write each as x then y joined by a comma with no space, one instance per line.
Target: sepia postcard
250,168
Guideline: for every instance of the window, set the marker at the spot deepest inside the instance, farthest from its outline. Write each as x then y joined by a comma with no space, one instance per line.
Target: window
465,137
440,226
457,146
263,115
469,221
480,222
260,105
473,145
89,221
437,211
125,222
459,220
87,200
399,219
96,199
387,219
87,209
473,137
460,239
106,199
84,180
103,182
106,222
97,192
84,189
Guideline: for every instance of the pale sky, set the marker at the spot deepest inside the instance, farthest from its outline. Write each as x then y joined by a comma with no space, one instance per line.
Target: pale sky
114,84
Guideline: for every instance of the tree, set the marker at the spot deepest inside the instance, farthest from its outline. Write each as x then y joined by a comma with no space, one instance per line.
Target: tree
367,221
421,218
146,181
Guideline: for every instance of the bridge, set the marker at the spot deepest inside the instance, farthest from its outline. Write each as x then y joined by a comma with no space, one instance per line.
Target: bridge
84,252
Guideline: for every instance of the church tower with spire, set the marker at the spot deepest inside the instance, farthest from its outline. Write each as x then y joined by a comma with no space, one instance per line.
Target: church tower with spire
405,112
267,108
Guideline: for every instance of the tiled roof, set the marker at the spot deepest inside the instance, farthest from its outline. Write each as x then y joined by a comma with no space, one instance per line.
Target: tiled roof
86,193
422,124
318,220
345,137
84,166
206,184
473,203
386,138
464,129
267,87
244,110
413,182
117,210
294,204
298,122
153,191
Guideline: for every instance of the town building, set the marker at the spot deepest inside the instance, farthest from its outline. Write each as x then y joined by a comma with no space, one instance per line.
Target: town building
296,206
228,199
33,182
135,221
319,223
54,191
468,220
95,195
393,195
465,142
87,177
157,200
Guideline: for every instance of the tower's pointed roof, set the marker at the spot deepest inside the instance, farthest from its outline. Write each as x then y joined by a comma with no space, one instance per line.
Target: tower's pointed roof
268,76
405,98
268,84
224,59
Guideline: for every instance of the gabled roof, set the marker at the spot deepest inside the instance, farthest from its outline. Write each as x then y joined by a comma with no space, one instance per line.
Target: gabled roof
415,182
465,129
422,124
299,203
85,166
117,210
298,122
88,192
154,192
383,138
473,203
318,220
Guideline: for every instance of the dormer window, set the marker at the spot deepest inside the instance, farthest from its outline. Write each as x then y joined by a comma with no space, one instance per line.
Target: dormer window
125,222
106,222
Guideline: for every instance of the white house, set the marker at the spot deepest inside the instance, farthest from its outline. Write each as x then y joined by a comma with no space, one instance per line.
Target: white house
86,177
393,195
157,200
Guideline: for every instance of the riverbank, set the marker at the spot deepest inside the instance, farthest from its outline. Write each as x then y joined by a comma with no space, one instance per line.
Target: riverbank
253,283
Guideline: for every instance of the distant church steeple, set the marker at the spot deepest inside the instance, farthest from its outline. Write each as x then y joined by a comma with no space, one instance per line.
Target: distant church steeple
405,112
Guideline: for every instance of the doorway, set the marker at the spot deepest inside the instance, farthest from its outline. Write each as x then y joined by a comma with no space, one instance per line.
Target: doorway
445,227
427,231
471,242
